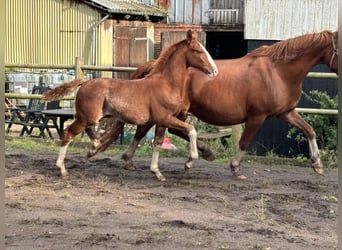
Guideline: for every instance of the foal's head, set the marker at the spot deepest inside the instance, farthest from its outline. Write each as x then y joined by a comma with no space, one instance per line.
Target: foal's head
197,56
188,51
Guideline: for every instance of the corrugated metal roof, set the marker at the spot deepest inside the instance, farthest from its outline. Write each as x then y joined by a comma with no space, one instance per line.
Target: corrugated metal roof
128,10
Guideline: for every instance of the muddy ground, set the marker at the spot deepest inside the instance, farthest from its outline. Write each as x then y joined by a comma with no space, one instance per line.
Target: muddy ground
103,206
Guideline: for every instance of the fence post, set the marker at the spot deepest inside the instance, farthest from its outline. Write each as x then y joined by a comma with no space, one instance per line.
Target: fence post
79,62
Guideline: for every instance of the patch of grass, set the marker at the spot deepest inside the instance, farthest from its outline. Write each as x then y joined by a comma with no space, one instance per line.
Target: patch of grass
66,196
31,144
149,236
330,198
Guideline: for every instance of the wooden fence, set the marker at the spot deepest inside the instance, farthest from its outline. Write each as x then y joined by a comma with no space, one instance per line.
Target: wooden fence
79,67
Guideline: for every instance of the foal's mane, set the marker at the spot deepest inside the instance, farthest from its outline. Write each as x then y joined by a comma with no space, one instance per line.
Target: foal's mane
165,55
290,49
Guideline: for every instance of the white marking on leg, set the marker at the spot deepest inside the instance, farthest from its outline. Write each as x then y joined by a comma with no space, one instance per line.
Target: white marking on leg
154,163
235,164
61,158
96,143
193,144
193,149
314,155
237,158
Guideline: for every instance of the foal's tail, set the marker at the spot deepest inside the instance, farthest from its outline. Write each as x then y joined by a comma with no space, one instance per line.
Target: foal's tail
62,90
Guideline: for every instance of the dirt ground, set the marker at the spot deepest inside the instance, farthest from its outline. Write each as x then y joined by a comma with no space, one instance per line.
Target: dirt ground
104,206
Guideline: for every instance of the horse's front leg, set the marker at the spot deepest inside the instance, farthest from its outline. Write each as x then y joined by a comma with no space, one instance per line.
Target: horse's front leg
128,155
207,154
192,134
294,118
158,140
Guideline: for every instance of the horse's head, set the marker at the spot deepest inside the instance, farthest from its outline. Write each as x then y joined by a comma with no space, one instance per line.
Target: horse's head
332,53
197,56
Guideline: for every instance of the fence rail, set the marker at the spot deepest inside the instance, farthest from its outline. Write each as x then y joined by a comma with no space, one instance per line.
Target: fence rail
79,67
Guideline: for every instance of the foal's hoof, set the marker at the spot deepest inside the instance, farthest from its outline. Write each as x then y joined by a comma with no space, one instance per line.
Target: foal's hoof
208,155
235,171
65,175
188,165
240,176
159,176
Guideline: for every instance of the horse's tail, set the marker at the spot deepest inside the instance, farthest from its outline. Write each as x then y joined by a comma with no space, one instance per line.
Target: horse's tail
110,135
62,90
143,70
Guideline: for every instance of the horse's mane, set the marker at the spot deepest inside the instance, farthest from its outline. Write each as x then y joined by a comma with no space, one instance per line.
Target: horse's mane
143,70
290,49
161,61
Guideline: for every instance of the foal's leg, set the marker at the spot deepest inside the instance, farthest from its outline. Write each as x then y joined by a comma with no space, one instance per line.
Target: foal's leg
251,127
294,118
128,155
177,124
156,145
207,154
68,135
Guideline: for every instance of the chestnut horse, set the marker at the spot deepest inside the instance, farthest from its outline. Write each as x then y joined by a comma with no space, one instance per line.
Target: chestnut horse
155,99
264,83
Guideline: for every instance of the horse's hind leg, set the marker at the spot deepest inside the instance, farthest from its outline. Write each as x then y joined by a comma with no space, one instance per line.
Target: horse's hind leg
128,155
252,125
294,118
68,135
156,145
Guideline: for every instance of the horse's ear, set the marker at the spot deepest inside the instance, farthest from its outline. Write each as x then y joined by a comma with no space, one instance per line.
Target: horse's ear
191,36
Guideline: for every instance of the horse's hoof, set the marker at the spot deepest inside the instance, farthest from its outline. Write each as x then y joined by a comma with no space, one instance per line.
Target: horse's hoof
130,166
91,153
161,178
318,167
208,155
65,175
319,170
239,176
188,164
124,157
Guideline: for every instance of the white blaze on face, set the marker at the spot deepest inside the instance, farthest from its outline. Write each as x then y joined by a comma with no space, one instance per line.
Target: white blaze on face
212,63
